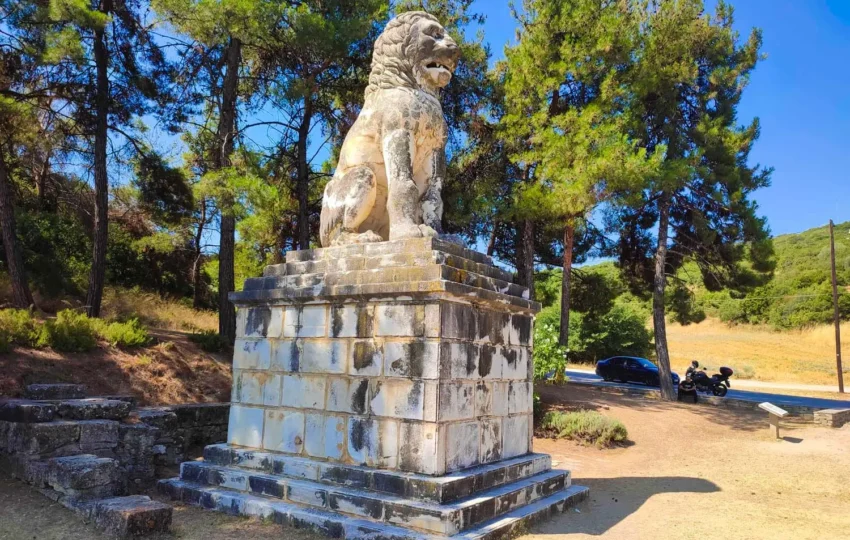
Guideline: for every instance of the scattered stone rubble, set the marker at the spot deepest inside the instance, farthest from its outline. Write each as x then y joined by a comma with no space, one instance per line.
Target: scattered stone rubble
89,453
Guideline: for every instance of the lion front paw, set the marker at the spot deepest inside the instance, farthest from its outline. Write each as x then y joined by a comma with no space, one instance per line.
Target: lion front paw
398,232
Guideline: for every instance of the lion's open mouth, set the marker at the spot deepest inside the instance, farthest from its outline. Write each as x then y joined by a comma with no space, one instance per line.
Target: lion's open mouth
438,65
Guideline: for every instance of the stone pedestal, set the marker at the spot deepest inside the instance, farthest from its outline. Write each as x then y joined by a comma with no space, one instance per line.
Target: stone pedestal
388,381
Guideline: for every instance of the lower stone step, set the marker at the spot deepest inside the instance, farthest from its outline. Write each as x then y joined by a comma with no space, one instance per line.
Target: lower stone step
78,477
340,526
438,489
126,517
446,519
94,409
55,391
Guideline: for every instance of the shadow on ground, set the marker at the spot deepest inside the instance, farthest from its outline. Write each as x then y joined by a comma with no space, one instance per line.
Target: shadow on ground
620,497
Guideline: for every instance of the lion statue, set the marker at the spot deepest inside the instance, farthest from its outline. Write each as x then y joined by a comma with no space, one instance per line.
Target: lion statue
392,163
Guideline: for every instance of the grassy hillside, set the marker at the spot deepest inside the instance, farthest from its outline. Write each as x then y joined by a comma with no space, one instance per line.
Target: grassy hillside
800,293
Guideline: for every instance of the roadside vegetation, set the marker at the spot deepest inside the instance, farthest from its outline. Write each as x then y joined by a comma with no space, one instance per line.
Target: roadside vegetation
584,426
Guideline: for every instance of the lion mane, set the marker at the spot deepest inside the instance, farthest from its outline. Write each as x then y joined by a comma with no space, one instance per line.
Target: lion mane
391,59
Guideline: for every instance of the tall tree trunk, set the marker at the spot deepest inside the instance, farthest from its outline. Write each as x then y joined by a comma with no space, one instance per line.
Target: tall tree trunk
659,284
491,243
101,180
226,125
21,295
197,283
302,187
525,254
569,237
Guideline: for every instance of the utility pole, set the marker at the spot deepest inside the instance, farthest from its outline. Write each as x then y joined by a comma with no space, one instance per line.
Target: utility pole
835,303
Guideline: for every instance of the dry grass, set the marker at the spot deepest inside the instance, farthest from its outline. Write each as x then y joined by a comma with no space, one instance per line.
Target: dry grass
760,353
174,370
156,312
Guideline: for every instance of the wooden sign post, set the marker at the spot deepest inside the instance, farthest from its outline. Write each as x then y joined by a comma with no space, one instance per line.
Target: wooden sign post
775,414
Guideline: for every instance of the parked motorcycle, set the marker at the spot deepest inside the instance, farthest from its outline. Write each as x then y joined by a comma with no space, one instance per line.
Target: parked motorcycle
696,379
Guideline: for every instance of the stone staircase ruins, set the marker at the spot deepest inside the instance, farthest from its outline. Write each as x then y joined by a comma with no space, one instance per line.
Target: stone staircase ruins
81,453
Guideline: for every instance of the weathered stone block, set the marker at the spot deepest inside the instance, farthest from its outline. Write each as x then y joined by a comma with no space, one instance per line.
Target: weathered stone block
405,399
305,321
284,431
421,448
462,442
246,426
83,476
251,354
457,401
366,358
348,395
516,362
19,410
490,361
286,355
458,321
418,359
520,398
94,408
250,386
400,320
352,320
55,391
515,435
491,440
459,360
325,436
324,356
522,330
253,322
98,434
373,442
304,392
131,516
48,438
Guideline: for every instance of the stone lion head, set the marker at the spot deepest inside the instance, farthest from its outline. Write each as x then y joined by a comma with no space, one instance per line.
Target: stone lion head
414,51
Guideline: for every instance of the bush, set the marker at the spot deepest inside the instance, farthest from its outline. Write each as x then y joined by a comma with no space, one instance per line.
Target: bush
69,332
19,327
549,357
209,341
123,334
588,427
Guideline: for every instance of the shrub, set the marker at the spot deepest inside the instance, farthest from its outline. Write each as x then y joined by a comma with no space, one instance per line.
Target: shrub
19,327
69,332
550,359
128,334
588,427
209,341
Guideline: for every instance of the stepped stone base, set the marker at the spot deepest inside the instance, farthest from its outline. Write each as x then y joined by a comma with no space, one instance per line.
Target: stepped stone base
382,391
351,502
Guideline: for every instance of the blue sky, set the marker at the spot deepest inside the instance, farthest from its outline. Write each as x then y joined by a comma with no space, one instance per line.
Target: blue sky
801,94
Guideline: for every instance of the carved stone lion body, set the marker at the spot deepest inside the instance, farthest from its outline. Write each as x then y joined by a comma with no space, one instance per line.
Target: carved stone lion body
392,163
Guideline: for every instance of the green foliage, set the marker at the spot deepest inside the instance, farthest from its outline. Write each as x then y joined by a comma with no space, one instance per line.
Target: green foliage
18,327
70,331
589,427
127,334
164,190
56,250
210,341
549,357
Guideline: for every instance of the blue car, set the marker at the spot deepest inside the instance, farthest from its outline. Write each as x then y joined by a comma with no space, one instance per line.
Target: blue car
630,369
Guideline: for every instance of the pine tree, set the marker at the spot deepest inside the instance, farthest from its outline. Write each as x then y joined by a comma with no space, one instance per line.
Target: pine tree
567,103
689,77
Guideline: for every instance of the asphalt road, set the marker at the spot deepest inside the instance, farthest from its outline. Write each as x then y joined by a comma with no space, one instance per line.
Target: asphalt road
777,399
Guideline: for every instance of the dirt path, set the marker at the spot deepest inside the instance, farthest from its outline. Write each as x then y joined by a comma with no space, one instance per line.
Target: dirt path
728,481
